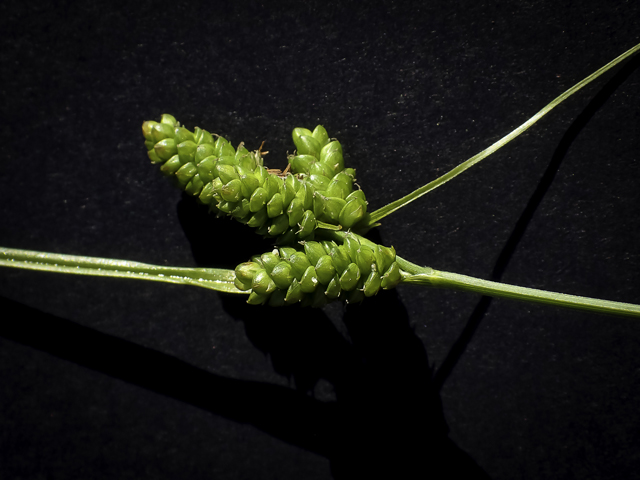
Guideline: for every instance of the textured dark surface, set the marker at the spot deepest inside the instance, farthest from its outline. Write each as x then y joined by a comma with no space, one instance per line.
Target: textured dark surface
105,378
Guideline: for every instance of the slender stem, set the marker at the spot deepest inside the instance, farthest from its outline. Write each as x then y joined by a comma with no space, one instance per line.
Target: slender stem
222,280
401,202
212,278
494,289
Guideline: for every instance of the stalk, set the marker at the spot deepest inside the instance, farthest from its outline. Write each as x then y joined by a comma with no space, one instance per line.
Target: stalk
211,278
222,280
382,212
465,283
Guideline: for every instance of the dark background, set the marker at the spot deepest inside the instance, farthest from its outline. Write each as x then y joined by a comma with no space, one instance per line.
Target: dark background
105,378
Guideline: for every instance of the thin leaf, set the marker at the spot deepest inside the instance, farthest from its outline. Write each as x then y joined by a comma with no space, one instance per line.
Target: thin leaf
212,278
401,202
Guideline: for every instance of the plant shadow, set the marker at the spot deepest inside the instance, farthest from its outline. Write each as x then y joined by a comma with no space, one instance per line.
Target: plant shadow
384,414
386,417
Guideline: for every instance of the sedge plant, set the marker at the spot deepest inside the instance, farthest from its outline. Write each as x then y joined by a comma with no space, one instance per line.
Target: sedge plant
316,214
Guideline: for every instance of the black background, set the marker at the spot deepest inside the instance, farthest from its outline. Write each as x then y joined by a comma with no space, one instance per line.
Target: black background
105,378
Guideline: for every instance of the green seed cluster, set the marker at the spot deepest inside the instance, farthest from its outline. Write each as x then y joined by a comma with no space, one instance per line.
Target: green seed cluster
319,273
236,183
321,160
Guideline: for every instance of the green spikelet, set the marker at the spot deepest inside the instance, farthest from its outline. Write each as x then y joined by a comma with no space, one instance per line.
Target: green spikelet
321,161
319,273
234,182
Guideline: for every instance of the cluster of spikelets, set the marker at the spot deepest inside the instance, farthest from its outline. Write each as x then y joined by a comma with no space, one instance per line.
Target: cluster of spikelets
318,273
317,192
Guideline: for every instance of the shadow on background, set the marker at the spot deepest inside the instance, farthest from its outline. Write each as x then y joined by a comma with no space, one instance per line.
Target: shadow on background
217,242
529,211
387,416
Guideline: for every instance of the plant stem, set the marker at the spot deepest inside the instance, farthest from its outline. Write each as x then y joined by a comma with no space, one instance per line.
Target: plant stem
401,202
212,278
485,287
222,280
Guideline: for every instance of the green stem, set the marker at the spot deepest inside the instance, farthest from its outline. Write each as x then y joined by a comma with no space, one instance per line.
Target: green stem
401,202
222,280
212,278
494,289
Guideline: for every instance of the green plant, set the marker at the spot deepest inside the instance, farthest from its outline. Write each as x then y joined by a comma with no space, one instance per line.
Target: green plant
316,200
